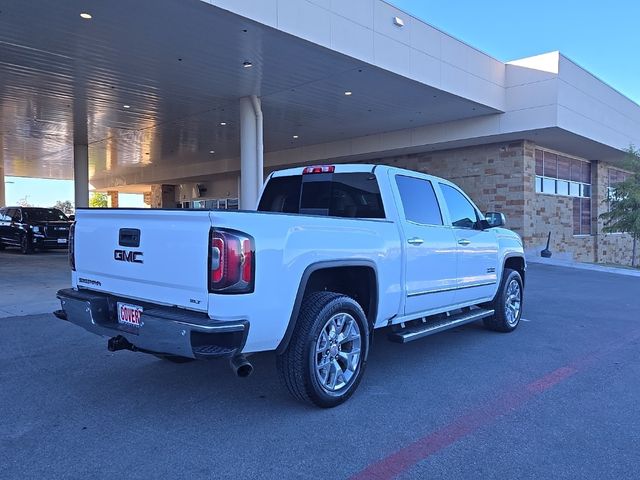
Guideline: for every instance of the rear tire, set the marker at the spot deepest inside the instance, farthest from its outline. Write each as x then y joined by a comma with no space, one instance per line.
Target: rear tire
507,303
327,354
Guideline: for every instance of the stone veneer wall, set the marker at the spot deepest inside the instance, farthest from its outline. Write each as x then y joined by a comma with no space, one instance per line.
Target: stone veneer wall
501,177
610,247
163,196
492,175
552,213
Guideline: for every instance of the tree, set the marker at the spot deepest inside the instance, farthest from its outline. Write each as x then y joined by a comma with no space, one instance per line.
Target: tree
98,200
24,202
624,212
66,207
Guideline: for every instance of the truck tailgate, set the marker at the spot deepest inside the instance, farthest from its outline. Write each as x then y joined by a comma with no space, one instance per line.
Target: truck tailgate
169,265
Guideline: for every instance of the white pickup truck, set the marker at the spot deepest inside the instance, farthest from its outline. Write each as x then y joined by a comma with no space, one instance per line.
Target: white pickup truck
332,253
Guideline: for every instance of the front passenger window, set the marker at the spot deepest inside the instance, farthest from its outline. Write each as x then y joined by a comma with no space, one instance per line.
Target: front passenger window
462,212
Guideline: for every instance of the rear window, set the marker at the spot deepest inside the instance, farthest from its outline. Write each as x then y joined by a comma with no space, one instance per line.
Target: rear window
354,195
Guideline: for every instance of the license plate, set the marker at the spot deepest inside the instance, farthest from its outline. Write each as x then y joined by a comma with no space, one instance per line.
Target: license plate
129,315
62,240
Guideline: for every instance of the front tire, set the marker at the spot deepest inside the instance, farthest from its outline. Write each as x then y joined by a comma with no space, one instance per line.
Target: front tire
25,245
507,304
326,356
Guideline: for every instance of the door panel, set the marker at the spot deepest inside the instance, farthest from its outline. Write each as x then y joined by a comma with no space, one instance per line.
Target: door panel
431,268
477,264
430,248
477,249
4,223
15,230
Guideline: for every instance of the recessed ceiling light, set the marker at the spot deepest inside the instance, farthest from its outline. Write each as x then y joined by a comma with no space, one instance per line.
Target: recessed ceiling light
86,16
296,137
223,124
212,152
348,93
126,106
247,64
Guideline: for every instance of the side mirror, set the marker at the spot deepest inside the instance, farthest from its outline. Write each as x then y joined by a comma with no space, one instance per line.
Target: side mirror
71,217
495,219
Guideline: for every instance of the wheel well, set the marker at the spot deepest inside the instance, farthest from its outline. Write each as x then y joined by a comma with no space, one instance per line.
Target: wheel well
517,264
357,282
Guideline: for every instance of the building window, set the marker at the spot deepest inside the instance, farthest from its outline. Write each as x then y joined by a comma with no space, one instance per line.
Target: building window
582,216
560,175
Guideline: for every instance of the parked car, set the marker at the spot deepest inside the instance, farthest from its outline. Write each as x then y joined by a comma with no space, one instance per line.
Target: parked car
332,253
31,228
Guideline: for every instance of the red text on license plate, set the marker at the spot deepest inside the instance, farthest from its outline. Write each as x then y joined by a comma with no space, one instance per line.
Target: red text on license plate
129,314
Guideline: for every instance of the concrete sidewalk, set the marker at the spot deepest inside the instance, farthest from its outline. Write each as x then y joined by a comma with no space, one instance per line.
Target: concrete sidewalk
560,262
29,282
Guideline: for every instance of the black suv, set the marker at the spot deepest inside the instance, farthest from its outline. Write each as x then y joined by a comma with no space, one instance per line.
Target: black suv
29,228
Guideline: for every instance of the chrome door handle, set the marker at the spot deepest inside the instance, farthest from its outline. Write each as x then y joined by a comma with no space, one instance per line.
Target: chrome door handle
464,242
415,241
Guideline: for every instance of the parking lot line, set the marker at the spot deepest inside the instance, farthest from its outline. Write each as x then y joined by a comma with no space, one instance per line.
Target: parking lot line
402,460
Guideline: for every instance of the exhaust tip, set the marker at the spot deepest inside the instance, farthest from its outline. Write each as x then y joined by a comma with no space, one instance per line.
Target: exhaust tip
241,366
245,370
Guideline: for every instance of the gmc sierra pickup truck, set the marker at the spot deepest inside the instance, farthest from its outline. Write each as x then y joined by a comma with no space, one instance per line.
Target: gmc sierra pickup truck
332,253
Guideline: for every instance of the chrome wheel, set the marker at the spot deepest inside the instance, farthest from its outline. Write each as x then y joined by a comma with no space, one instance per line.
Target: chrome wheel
513,302
337,353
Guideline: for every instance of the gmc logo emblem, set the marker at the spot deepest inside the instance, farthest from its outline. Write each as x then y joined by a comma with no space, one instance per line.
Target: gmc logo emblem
124,256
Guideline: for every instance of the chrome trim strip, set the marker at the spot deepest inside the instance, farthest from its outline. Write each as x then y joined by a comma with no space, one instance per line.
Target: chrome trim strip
442,290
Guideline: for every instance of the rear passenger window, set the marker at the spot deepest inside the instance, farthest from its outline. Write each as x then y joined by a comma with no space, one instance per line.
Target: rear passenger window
419,201
463,214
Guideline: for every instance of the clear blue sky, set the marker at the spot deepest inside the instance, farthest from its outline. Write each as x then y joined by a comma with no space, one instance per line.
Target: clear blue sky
601,36
45,193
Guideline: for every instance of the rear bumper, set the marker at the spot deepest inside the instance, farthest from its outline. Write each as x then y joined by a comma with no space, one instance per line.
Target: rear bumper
163,330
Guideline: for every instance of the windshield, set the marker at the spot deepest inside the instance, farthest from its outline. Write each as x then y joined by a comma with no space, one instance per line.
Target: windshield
43,215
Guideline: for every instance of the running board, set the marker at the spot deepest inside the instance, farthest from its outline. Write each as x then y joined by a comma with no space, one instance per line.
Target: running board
426,328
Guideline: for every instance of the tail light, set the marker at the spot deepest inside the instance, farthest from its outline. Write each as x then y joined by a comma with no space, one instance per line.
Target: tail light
72,247
231,261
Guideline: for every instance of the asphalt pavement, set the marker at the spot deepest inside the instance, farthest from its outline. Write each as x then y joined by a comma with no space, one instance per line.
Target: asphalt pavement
557,399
